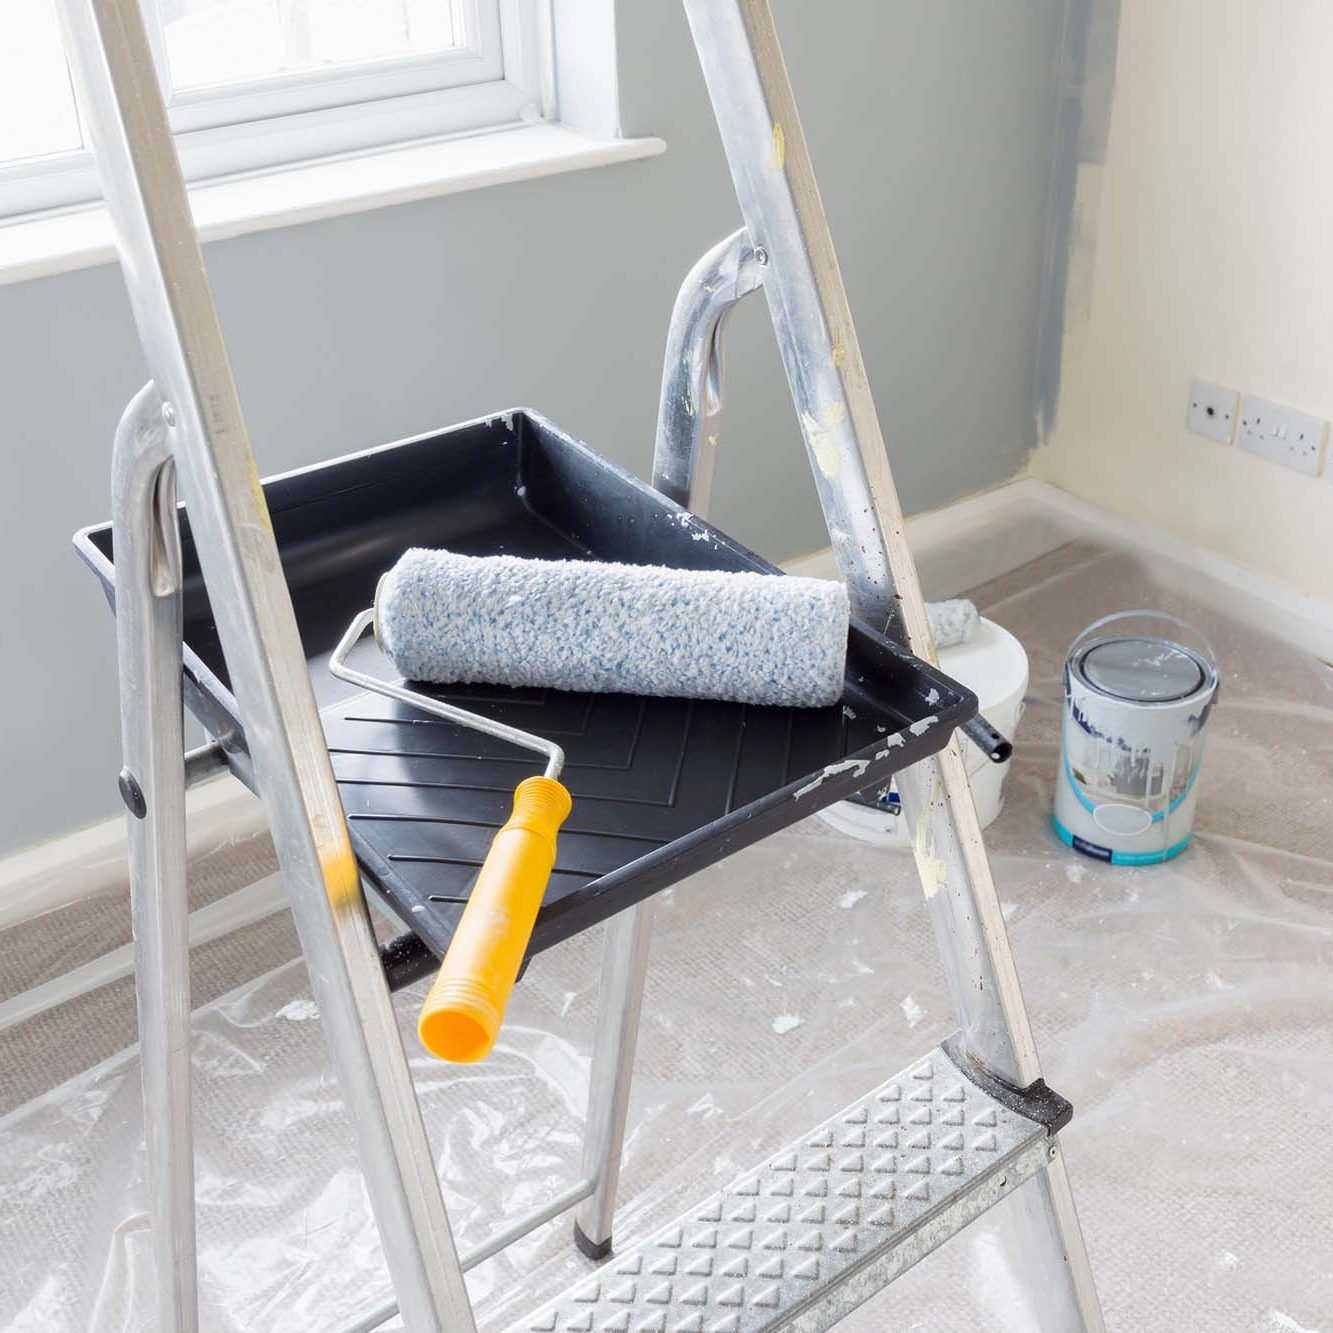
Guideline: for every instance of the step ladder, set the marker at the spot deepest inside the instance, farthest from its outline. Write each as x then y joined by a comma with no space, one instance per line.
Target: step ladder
806,1237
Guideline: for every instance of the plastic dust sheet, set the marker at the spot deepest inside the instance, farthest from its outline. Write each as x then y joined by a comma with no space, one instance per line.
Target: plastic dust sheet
1186,1010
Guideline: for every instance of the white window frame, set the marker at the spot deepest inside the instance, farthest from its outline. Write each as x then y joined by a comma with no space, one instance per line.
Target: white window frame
501,75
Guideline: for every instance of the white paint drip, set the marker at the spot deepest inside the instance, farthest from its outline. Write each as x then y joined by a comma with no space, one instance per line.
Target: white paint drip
934,696
851,898
785,1023
697,534
912,1011
1277,1319
858,766
920,728
1008,909
1074,873
1228,1260
299,1011
849,713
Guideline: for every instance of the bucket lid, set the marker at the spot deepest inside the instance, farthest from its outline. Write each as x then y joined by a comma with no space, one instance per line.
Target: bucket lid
1144,670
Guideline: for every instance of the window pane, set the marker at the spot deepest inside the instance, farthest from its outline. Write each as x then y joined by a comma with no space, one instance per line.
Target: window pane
37,115
213,42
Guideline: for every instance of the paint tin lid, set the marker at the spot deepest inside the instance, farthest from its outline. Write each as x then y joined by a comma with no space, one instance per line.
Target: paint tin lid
1142,670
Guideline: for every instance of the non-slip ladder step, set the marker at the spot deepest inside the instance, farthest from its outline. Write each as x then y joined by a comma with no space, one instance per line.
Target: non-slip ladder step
823,1225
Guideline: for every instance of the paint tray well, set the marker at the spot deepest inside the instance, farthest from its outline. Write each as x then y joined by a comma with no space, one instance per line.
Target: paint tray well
661,787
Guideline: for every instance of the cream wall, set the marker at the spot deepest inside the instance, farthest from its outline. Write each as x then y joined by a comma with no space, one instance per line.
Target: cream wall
1204,246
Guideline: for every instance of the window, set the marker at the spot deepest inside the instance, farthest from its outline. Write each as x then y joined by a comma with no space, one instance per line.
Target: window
254,84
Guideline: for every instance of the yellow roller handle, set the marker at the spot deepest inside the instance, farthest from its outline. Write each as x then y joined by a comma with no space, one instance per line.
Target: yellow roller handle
462,1014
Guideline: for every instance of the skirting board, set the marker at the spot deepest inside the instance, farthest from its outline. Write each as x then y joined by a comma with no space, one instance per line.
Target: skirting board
955,547
91,861
237,910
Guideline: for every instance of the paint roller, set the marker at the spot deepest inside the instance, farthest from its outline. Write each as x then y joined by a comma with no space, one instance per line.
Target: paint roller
587,626
955,622
631,629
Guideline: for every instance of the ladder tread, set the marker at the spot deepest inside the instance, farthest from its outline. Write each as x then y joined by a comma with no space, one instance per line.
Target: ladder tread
824,1223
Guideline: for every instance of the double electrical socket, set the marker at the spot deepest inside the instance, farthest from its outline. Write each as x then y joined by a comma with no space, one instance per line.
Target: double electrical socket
1264,428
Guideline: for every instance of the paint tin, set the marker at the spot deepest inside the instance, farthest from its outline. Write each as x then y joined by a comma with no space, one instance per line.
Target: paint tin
1136,711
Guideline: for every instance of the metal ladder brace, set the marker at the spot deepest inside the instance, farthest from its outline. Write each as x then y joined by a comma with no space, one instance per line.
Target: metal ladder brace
826,1222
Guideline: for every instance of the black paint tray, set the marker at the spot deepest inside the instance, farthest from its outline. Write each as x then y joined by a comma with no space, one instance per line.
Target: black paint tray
661,787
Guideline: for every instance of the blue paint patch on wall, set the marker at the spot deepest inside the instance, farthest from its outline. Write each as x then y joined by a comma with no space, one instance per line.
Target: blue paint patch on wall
1083,124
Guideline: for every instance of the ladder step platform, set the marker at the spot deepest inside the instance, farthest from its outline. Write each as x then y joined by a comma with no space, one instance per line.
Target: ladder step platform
828,1221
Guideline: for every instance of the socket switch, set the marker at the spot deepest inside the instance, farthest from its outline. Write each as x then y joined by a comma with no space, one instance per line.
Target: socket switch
1280,434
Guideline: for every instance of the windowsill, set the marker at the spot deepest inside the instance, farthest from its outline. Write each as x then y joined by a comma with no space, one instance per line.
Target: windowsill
58,243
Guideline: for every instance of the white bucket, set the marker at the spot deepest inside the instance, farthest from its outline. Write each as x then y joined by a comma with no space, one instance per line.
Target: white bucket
993,665
1136,712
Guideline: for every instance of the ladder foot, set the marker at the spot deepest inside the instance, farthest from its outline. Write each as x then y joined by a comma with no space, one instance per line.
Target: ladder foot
591,1249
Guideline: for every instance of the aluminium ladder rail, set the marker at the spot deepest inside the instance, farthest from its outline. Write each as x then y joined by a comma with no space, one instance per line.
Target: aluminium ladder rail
195,399
901,1169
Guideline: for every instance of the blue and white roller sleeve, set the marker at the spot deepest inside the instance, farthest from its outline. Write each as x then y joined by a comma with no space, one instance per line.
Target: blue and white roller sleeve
632,629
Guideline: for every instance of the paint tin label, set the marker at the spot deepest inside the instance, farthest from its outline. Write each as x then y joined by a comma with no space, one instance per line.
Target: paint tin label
1100,853
1136,710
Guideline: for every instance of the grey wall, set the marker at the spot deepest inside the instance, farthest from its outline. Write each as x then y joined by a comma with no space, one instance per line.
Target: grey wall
931,123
